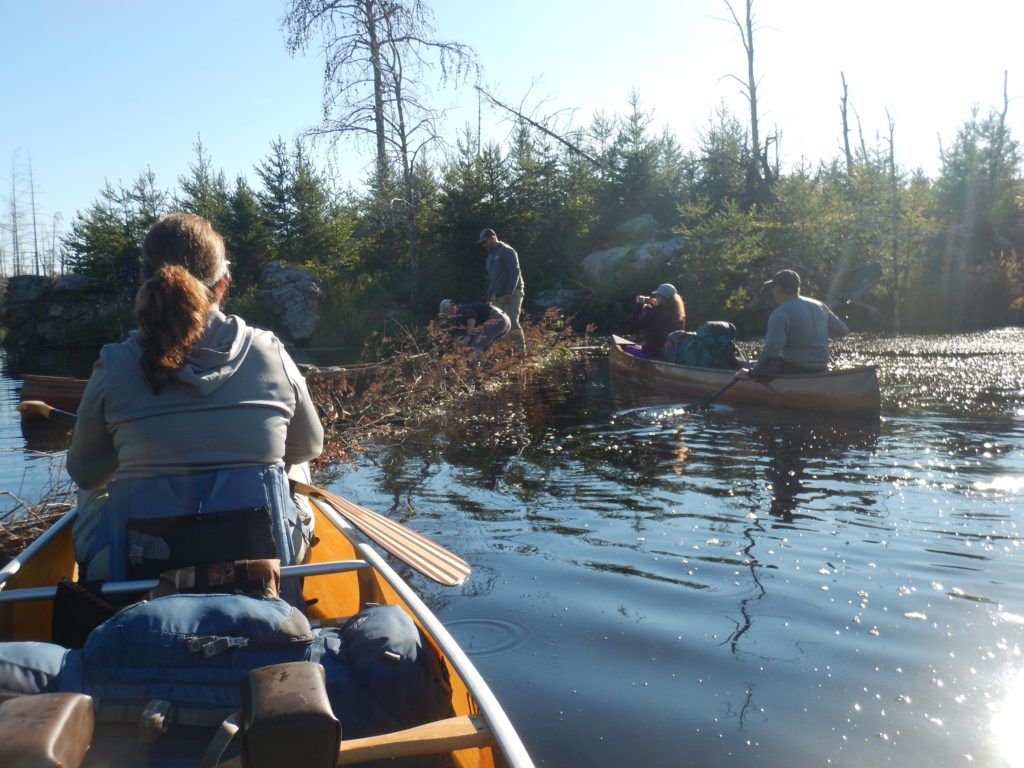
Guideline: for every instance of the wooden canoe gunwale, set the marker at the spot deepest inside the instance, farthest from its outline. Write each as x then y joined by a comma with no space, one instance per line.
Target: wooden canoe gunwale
845,391
511,747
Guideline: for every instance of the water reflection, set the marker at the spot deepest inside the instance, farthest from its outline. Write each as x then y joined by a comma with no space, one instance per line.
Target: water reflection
45,436
800,452
1007,734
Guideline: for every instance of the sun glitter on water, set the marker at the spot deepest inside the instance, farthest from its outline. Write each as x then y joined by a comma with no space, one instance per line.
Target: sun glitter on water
1007,736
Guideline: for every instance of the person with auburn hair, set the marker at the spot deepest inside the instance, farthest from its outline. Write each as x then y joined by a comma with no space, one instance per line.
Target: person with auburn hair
195,405
655,317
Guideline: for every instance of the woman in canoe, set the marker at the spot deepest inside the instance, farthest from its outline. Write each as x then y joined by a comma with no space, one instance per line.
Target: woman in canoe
656,316
195,412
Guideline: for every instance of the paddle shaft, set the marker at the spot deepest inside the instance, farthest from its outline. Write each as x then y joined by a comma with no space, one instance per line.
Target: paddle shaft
716,394
413,548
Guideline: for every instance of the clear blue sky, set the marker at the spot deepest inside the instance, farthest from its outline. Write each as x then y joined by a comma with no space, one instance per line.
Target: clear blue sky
102,89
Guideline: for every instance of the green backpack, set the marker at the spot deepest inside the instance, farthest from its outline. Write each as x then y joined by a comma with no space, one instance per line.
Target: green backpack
712,346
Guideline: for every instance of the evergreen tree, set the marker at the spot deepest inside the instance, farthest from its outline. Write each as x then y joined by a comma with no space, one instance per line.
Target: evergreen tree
246,237
275,199
205,191
106,241
312,214
970,276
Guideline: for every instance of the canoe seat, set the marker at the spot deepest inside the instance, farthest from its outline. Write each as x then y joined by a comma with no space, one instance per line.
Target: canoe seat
287,717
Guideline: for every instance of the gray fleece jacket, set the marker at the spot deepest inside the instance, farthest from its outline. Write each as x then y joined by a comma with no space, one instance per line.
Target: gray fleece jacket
239,400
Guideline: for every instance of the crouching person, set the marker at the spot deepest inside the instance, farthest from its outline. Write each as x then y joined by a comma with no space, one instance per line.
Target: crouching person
483,323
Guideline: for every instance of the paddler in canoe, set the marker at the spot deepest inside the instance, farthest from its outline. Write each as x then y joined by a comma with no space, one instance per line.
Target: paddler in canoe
799,328
190,424
195,410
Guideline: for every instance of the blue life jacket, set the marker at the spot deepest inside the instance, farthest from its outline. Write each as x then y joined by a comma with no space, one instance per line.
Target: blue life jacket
155,524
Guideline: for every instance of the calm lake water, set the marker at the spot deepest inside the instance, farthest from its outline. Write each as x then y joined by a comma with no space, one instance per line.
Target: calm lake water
733,587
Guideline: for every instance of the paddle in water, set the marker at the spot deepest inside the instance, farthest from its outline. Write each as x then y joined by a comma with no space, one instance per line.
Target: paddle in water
411,547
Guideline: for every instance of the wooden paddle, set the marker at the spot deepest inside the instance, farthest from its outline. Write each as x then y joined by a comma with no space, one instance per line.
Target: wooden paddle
39,408
413,548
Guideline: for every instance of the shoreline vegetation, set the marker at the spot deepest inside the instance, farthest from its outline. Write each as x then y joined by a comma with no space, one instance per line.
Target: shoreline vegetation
425,377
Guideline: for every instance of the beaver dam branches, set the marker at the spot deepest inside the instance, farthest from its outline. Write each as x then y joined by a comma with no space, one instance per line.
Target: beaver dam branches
426,378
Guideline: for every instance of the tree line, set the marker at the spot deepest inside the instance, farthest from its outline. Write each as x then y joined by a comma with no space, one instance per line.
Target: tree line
950,247
387,247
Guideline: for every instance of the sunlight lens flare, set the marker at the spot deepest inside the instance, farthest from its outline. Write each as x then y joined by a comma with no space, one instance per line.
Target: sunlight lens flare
1007,735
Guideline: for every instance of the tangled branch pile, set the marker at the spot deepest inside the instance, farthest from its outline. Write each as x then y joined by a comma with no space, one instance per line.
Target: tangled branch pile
426,376
25,522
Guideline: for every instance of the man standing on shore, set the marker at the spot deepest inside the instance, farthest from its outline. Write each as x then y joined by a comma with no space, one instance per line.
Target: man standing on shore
505,286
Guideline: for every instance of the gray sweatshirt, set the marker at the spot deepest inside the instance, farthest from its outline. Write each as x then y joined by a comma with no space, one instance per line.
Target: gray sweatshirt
798,332
237,401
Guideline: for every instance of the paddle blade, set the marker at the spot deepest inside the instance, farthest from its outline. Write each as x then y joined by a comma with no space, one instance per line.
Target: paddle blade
39,408
411,547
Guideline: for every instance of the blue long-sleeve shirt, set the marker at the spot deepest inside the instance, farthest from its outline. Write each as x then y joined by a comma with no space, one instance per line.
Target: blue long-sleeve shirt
798,332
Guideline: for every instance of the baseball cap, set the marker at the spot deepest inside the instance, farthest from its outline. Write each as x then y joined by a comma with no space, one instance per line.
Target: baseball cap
786,279
445,304
486,234
666,290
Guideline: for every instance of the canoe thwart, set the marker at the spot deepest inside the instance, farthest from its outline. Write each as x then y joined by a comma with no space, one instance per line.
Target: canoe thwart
450,735
438,737
144,585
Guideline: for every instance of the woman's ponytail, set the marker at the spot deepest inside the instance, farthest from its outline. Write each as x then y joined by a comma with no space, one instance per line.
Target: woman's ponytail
171,309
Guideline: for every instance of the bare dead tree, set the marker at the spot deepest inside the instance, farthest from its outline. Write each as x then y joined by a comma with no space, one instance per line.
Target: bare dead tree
894,182
995,179
355,36
843,102
53,250
15,227
760,175
376,54
32,208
